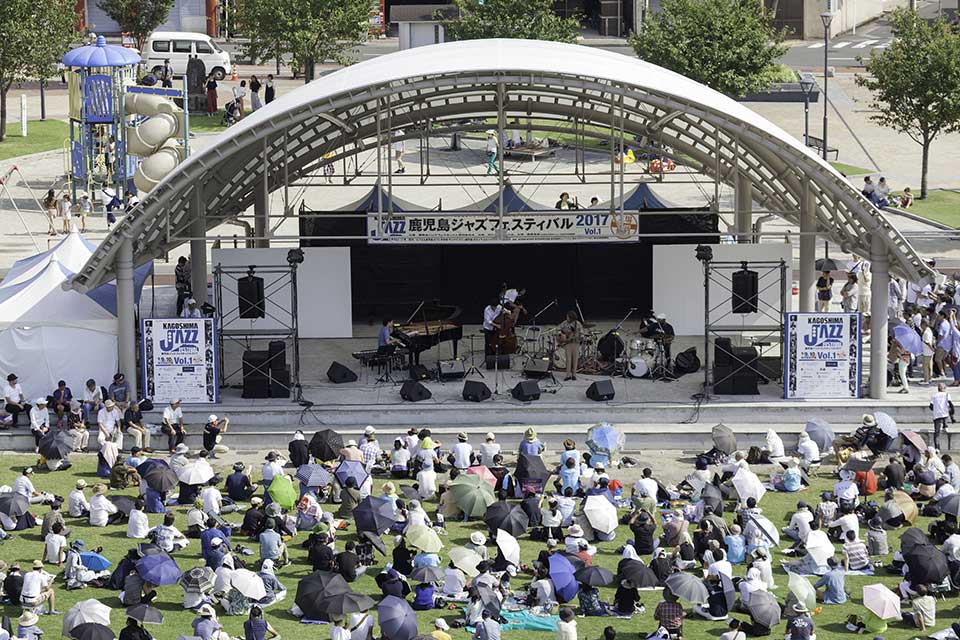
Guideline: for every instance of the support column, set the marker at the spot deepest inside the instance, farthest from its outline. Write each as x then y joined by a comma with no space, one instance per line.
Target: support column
261,204
808,253
744,209
126,316
879,302
198,261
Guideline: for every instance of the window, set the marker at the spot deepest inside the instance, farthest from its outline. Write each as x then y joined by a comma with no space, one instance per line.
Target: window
182,46
203,47
161,46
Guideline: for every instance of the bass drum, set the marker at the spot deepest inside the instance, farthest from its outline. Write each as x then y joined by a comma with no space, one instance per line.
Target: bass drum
559,359
638,367
611,346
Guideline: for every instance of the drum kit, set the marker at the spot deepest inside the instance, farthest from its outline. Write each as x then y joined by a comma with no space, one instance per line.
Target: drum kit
600,353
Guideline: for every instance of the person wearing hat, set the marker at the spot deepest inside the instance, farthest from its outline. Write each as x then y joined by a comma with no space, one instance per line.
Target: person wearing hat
119,391
440,632
212,433
272,466
492,152
206,625
108,424
799,623
38,588
461,454
239,487
530,445
478,544
191,310
488,449
351,452
299,449
134,630
15,402
39,421
102,510
27,628
134,425
24,486
172,425
77,504
846,491
370,448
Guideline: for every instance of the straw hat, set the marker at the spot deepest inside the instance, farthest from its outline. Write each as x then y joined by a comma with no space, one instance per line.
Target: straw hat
530,434
575,531
868,420
206,610
478,538
99,488
81,484
28,619
799,607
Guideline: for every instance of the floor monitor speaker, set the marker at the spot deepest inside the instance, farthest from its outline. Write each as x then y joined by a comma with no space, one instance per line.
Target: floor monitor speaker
526,390
414,391
338,374
475,391
601,390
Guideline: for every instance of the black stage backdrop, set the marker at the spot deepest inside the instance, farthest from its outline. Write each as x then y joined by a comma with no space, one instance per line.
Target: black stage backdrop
607,278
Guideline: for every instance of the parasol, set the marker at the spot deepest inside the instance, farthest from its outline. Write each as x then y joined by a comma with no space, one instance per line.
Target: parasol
483,472
423,538
507,516
509,547
326,445
821,432
881,601
471,494
605,438
724,438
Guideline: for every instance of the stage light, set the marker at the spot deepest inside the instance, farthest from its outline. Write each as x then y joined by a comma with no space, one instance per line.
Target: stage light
295,256
704,253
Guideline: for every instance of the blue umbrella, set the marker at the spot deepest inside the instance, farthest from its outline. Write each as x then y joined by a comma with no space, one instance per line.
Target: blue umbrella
94,561
350,469
564,581
605,438
908,339
374,514
886,424
398,621
158,569
820,432
313,475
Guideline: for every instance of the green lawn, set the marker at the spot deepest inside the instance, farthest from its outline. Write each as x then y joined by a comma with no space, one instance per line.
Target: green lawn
26,547
942,205
200,123
849,169
42,135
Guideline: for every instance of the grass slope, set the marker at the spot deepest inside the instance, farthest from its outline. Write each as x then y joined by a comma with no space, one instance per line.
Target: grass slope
42,135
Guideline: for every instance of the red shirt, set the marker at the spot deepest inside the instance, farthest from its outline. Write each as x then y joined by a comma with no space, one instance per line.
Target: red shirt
866,482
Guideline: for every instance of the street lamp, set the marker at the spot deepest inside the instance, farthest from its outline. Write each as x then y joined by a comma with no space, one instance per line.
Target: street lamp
806,85
827,18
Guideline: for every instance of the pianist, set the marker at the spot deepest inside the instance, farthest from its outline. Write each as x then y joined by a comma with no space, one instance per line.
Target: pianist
386,332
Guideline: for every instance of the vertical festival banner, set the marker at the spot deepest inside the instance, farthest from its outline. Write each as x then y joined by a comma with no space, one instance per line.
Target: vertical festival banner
179,359
823,355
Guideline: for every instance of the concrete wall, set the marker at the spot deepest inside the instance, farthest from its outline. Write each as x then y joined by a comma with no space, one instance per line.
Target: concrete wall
847,14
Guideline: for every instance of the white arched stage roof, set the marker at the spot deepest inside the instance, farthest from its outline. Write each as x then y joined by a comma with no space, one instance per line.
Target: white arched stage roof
443,84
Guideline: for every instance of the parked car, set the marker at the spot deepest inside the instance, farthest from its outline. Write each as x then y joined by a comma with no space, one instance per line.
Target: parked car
178,46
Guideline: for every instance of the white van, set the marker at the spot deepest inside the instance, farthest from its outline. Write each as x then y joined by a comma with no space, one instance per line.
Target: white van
178,46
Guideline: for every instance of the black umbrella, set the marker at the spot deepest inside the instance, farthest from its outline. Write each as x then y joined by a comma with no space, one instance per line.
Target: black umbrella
338,605
638,573
149,549
826,264
124,505
724,438
856,464
531,467
950,505
409,492
764,609
687,587
712,497
927,564
490,599
374,514
427,574
595,576
729,590
145,614
158,475
92,631
14,504
507,516
315,588
911,539
56,445
375,540
326,445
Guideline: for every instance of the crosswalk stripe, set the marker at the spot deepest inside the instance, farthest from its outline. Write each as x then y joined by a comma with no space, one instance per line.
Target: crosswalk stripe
864,44
840,45
815,45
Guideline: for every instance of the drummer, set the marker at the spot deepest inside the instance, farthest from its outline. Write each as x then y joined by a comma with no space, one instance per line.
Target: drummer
571,330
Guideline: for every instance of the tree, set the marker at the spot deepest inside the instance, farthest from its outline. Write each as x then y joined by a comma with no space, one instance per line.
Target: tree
916,82
523,19
311,31
137,17
729,45
34,34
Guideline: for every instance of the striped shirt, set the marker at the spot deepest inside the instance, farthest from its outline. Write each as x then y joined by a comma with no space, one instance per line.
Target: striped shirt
857,555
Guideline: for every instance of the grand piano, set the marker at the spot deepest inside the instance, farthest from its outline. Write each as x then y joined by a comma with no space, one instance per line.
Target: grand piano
429,325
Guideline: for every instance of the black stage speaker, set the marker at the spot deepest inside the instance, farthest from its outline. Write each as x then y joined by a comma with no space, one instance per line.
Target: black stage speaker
250,298
771,368
722,352
255,364
419,372
686,362
475,391
277,350
537,368
337,373
413,391
280,383
601,390
255,388
451,370
745,291
498,362
526,390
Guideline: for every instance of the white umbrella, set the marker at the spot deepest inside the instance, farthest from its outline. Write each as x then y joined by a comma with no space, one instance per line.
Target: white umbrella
221,583
248,583
819,547
86,611
748,485
601,513
770,529
466,560
509,546
951,547
802,589
198,472
881,601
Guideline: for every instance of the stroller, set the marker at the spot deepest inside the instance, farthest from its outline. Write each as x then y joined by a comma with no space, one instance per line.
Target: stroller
231,113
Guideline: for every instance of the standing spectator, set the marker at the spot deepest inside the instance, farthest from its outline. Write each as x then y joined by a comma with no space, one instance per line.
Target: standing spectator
239,93
269,91
50,208
13,398
39,421
173,425
492,152
211,101
212,433
182,283
928,348
824,292
166,75
398,152
255,93
62,396
86,208
65,208
850,293
942,407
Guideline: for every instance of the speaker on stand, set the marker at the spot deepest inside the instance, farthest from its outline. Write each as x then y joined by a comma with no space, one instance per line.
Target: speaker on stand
745,291
251,301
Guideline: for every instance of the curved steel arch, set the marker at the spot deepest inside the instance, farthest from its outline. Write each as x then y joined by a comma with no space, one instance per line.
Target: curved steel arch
438,84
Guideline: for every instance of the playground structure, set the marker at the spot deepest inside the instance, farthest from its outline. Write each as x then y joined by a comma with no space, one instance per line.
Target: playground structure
123,136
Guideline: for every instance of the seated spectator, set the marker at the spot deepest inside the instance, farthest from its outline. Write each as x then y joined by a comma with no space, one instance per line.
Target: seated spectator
136,428
567,625
137,525
924,613
167,536
62,396
271,544
92,401
906,198
348,563
119,391
881,196
877,538
832,583
669,613
855,556
102,510
626,599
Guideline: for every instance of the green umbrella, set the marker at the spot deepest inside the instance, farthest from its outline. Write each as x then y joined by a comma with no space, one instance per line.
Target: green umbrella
801,588
282,491
472,494
423,538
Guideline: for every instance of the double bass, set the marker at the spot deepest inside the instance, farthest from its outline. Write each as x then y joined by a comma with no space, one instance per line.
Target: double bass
506,340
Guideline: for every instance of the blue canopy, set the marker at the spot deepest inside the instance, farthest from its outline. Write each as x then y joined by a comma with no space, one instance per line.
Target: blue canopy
101,54
643,198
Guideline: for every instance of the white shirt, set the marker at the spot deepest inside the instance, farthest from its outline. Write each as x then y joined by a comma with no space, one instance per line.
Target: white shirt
928,342
461,454
849,522
100,509
800,522
720,567
339,633
268,470
13,394
491,144
108,418
846,490
239,92
487,451
212,499
454,582
944,491
490,314
95,396
173,416
400,457
33,584
77,503
191,313
809,450
54,543
39,418
649,484
941,404
24,486
138,526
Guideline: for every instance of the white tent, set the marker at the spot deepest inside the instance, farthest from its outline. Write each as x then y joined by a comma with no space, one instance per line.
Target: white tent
48,333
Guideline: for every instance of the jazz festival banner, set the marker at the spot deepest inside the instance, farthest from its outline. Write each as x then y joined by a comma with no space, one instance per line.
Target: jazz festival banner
823,355
578,226
179,360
